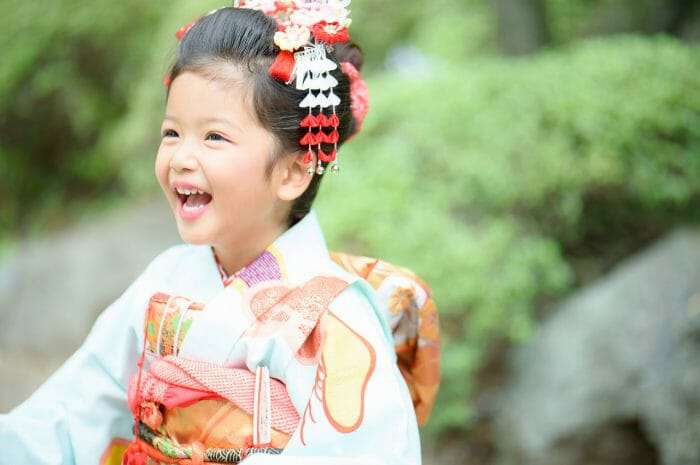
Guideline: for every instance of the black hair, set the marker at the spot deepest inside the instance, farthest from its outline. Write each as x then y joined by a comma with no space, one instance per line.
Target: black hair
245,38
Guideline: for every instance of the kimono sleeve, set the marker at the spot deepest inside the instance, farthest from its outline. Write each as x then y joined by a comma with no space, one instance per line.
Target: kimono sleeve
358,409
75,414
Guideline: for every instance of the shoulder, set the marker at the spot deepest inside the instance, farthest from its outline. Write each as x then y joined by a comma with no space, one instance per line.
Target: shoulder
357,307
183,270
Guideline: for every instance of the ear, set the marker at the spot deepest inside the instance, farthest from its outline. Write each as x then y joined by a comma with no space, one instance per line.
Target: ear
292,177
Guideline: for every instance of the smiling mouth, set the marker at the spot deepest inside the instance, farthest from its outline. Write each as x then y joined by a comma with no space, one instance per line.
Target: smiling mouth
192,200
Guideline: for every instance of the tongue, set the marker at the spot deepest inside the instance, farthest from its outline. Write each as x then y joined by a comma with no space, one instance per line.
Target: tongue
197,200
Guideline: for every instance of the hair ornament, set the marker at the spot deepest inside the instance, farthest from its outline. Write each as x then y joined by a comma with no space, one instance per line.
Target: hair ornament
330,32
180,33
282,68
292,37
359,95
312,68
305,29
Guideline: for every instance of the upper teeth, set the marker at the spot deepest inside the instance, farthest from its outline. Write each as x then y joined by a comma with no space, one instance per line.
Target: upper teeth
183,191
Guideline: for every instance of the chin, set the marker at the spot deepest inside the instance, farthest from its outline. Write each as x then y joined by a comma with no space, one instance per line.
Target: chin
193,237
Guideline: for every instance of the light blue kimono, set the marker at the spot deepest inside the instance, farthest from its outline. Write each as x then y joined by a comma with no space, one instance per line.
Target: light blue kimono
74,415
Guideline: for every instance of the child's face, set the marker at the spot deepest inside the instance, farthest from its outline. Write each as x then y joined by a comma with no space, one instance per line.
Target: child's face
211,166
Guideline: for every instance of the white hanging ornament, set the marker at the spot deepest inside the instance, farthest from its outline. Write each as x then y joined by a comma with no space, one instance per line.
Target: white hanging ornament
309,101
327,64
322,100
332,99
331,81
318,83
303,81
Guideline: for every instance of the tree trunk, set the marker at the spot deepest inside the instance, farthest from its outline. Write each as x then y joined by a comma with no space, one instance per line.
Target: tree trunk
671,15
522,25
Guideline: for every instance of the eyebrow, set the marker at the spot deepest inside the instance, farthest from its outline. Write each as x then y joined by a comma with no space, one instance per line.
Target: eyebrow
208,120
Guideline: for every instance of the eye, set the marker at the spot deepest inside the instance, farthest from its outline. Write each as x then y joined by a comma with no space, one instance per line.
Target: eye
216,137
168,133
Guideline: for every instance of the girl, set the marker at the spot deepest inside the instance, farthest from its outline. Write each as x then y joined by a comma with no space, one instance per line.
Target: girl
250,342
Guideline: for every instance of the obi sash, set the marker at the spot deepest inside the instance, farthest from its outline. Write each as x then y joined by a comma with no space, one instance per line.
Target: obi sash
190,411
194,412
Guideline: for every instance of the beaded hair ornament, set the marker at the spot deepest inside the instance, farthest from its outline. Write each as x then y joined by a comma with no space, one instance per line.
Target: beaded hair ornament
306,31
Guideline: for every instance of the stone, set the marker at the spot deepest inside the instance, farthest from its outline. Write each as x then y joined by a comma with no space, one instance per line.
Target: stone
619,358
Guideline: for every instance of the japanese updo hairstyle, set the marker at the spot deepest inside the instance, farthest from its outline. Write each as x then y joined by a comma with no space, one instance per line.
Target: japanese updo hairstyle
243,38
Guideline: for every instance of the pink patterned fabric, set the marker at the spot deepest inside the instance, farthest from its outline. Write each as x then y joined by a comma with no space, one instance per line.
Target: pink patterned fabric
169,379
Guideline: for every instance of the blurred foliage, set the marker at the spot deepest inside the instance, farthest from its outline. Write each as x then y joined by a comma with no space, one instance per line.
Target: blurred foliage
68,86
573,19
450,29
488,176
483,177
80,102
63,81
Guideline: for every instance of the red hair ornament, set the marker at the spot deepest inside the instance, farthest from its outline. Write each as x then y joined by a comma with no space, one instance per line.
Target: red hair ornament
180,33
283,67
359,95
312,69
304,29
330,32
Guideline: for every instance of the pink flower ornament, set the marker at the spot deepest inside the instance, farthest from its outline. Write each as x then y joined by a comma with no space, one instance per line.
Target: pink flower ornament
292,38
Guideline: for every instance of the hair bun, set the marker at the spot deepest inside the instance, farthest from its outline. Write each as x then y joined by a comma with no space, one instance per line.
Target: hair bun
349,52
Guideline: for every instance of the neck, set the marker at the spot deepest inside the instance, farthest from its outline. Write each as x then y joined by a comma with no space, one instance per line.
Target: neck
234,259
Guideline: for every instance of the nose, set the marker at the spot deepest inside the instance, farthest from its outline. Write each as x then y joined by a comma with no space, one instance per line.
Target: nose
184,158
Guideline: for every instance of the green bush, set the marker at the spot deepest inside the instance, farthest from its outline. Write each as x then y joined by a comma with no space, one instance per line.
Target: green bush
66,71
450,29
73,87
80,99
486,179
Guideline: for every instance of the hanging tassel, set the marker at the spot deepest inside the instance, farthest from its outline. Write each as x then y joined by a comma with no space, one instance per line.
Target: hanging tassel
333,120
309,101
309,161
331,156
308,139
333,100
323,156
333,137
310,121
308,157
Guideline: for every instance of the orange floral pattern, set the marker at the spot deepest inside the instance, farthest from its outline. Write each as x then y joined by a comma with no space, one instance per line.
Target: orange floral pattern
412,316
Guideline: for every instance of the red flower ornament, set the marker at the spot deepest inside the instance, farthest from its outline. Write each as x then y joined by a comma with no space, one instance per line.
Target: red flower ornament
330,32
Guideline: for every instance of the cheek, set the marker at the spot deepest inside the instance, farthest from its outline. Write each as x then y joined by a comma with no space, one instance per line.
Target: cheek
162,168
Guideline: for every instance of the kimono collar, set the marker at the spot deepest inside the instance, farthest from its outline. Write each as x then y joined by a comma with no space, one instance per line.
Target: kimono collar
295,256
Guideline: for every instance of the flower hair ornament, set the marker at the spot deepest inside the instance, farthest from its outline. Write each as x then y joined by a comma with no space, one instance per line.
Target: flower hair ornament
306,31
